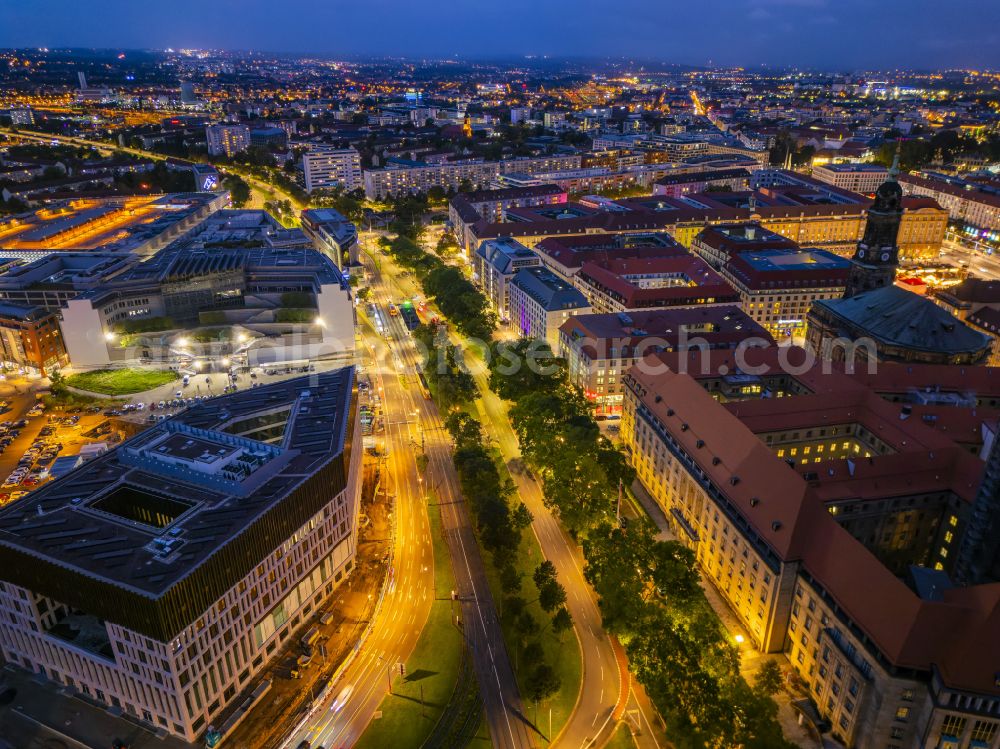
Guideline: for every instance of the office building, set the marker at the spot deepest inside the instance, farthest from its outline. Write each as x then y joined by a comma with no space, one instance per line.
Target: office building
565,256
30,339
469,208
188,553
227,140
332,234
718,245
777,287
269,137
495,264
810,216
807,513
862,178
965,201
540,302
325,168
241,270
600,348
652,282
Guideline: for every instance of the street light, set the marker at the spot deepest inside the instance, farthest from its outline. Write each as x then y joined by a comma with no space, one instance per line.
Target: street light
109,336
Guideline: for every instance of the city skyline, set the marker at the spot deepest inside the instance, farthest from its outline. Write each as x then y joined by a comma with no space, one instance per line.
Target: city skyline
815,33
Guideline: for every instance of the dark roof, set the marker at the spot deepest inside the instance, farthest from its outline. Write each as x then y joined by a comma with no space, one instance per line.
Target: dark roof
67,523
972,291
595,335
898,317
708,175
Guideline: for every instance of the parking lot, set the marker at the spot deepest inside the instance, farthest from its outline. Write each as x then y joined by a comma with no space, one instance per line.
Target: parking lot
29,445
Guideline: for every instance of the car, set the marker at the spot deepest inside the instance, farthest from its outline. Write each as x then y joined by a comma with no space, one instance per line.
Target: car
303,745
342,698
304,660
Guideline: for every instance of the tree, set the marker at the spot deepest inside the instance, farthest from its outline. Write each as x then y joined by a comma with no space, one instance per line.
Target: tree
510,579
551,596
526,624
239,190
562,621
523,367
513,606
544,573
769,679
542,682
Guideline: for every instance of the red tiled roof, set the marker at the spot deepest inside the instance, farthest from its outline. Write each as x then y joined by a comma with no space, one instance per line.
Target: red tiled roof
610,276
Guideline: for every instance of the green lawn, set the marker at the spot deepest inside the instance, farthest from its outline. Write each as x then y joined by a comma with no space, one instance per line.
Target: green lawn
561,652
434,664
622,738
120,381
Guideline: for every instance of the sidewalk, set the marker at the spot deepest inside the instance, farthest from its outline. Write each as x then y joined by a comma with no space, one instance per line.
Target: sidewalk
751,659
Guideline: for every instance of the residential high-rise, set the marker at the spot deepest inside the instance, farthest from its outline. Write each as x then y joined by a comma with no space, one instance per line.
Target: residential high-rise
227,140
325,167
188,553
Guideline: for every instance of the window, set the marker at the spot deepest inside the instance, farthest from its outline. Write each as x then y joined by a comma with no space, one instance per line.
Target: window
903,713
984,730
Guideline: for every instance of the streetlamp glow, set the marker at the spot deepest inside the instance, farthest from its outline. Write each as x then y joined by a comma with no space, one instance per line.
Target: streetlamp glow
182,341
109,336
739,639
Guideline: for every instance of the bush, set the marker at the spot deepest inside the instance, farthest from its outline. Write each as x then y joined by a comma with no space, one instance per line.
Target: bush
298,316
145,325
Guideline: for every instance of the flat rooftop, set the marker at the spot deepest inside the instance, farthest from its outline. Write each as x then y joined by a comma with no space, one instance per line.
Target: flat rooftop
150,512
115,224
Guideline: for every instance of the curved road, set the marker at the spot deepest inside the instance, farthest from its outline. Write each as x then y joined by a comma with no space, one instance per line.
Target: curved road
498,687
260,192
607,693
407,596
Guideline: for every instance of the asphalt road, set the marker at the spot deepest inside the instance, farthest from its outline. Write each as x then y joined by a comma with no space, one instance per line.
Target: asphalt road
497,684
607,693
408,593
980,264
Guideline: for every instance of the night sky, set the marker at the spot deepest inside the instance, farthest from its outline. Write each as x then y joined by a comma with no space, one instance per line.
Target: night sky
834,34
